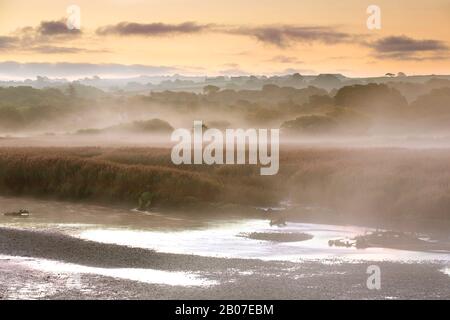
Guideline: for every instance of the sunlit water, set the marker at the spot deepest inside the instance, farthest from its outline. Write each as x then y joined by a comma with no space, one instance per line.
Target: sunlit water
226,239
134,274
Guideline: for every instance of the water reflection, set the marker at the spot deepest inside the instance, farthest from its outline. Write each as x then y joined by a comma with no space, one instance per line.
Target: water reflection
150,276
225,240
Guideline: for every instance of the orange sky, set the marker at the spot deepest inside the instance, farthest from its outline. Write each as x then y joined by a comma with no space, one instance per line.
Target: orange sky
214,51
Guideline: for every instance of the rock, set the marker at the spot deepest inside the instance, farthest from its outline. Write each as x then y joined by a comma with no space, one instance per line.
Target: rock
280,222
20,213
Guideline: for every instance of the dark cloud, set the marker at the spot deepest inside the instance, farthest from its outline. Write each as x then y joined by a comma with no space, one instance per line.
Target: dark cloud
65,69
51,28
151,29
406,44
50,37
277,35
47,37
283,36
403,47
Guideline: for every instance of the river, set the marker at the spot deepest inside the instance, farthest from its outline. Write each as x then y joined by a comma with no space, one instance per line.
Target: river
119,253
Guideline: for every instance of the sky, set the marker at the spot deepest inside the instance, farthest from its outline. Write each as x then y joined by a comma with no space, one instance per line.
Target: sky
233,37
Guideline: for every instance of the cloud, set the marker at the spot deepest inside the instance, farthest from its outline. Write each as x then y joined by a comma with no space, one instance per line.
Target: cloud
51,36
47,37
151,29
7,42
47,31
285,35
410,56
51,28
285,59
24,46
281,36
54,32
406,44
231,65
59,49
66,69
403,47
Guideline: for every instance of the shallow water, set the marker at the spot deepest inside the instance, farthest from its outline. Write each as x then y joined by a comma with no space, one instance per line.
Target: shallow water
218,237
37,278
62,215
225,239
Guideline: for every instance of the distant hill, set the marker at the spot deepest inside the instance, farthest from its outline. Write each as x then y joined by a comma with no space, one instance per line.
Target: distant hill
196,83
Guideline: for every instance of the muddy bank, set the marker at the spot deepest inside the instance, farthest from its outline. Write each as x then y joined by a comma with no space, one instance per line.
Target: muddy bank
233,278
278,236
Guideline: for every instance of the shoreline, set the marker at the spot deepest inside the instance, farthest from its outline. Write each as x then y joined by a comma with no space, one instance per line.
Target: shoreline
235,278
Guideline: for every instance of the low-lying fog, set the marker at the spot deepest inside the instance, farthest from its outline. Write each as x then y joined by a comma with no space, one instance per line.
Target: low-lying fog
162,140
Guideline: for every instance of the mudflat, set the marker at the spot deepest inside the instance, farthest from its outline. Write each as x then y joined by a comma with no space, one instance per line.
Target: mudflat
227,278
